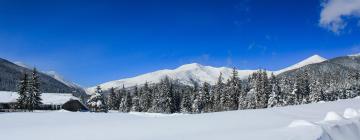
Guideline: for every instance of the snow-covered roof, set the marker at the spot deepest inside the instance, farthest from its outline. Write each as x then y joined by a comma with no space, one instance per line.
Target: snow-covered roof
47,98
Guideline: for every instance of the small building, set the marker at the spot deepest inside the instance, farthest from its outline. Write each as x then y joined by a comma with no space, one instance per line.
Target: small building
51,101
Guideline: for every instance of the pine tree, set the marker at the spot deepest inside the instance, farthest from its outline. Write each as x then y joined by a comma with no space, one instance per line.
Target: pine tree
202,101
126,103
34,97
316,92
96,103
207,103
145,98
302,88
23,92
113,100
218,92
163,102
262,89
135,104
135,101
186,103
275,98
232,92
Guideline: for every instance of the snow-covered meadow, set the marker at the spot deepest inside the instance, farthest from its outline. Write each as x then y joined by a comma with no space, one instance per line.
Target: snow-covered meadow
322,121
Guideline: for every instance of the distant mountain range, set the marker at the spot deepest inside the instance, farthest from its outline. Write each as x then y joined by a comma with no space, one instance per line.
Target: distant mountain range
11,73
190,73
336,69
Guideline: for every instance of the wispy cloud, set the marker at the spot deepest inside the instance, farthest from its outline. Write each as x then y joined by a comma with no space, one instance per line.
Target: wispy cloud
334,14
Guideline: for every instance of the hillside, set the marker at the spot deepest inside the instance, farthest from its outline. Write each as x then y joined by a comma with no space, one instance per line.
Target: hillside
11,73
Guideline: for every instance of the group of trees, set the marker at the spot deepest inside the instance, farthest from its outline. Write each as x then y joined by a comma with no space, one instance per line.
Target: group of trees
258,91
29,92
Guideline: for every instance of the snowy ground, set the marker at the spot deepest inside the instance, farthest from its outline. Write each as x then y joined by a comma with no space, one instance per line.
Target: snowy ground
306,122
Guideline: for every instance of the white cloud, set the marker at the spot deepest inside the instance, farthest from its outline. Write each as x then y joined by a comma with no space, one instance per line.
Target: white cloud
334,12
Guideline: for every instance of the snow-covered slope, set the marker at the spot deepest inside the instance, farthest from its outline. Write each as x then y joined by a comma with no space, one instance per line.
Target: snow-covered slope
186,74
322,121
195,72
52,74
354,55
311,60
61,79
21,64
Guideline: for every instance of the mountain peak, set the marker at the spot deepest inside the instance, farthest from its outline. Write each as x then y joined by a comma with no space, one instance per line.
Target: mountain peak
310,60
190,66
315,58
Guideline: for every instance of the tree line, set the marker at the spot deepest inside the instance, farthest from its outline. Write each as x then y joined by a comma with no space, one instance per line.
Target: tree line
258,91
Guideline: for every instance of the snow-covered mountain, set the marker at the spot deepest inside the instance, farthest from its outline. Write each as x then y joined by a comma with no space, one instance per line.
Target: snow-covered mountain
186,74
21,64
52,74
61,79
11,72
311,60
189,73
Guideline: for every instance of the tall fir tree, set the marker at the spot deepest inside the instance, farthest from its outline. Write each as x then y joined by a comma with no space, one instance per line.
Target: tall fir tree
126,102
34,97
113,100
186,103
207,102
276,98
23,92
218,94
145,98
302,88
232,92
316,92
135,101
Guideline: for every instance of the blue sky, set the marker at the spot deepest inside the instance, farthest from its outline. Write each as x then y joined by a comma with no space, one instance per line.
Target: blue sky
91,42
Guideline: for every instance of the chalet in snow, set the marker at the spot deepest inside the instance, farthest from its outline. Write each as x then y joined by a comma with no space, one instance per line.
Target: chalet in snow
51,101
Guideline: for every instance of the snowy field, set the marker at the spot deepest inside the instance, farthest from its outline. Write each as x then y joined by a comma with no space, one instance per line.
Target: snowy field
323,121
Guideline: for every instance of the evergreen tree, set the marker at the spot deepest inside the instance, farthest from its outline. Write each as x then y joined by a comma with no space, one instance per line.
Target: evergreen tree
186,103
96,102
275,98
113,100
218,93
162,102
126,102
207,102
198,104
262,88
250,99
23,92
135,104
316,92
232,92
34,97
135,101
302,88
145,98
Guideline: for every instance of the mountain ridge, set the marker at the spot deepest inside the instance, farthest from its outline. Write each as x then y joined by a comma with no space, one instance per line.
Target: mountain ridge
188,73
